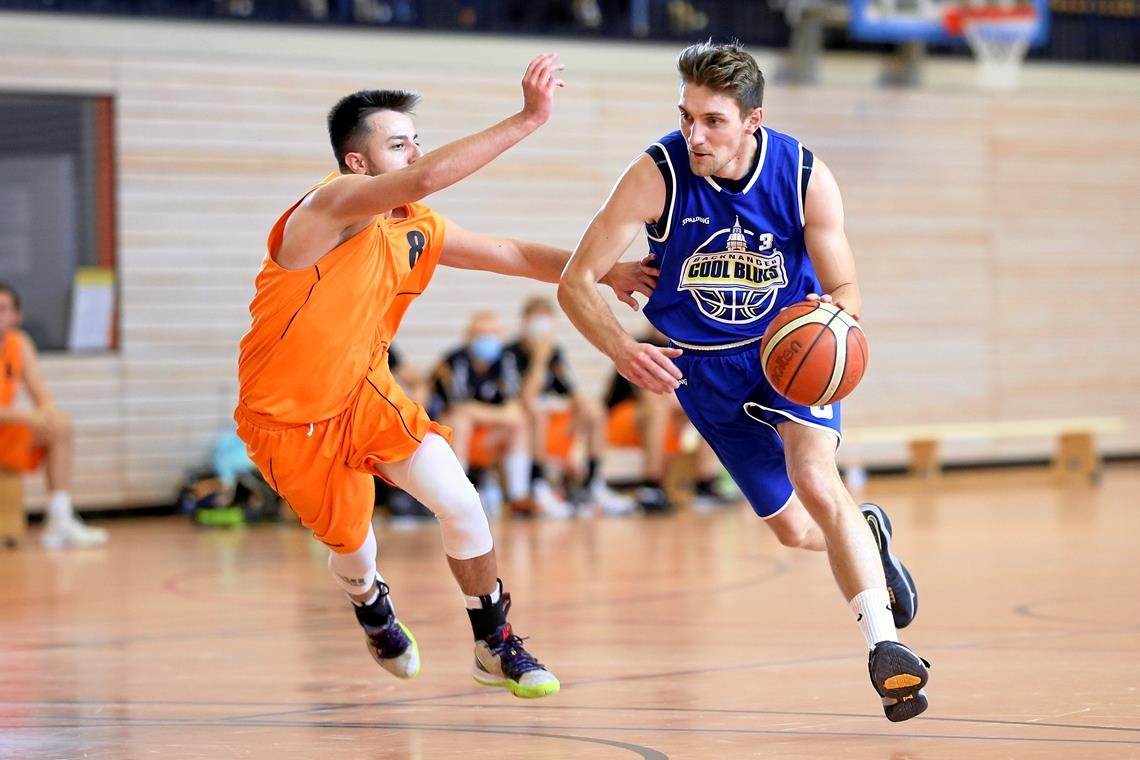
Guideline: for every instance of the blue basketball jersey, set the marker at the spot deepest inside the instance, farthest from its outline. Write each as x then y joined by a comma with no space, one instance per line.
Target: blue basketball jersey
729,261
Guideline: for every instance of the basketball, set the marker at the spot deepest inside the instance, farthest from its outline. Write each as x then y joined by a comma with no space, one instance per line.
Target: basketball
814,353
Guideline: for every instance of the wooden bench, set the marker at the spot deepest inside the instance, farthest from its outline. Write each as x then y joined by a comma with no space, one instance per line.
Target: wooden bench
1076,453
13,521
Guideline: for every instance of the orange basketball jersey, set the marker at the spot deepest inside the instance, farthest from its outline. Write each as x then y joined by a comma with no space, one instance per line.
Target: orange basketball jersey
11,366
316,332
17,448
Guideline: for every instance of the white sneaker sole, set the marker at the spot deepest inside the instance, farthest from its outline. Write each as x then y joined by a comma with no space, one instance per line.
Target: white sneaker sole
544,689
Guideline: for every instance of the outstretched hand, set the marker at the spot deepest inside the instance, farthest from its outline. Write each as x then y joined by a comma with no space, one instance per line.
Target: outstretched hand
538,85
629,277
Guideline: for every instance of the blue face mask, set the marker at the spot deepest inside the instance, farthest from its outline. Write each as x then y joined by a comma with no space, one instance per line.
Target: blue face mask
486,348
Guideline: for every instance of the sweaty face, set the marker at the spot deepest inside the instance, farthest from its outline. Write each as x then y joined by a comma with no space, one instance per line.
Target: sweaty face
720,140
387,144
9,314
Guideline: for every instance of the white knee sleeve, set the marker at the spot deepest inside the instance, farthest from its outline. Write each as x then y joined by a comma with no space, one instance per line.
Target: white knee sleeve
433,475
355,571
462,522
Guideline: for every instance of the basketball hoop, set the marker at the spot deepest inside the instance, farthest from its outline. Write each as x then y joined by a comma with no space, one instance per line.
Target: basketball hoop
999,37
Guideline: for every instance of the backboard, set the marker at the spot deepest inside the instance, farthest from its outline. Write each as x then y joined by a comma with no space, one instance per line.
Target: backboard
923,20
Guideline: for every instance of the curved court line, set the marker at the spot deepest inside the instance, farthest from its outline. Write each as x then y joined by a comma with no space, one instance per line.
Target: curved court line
173,585
147,703
567,708
1027,610
544,730
327,707
646,753
799,713
677,730
330,707
483,692
778,568
170,585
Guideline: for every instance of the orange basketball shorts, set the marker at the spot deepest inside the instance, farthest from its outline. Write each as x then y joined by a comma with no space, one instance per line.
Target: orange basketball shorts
324,469
18,450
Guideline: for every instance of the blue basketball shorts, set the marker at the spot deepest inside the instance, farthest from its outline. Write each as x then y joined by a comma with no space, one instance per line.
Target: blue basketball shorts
734,408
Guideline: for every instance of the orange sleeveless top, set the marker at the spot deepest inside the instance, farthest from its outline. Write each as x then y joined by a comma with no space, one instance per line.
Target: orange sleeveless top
316,332
11,366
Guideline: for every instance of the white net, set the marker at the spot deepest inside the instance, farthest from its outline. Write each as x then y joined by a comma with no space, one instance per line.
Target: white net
999,44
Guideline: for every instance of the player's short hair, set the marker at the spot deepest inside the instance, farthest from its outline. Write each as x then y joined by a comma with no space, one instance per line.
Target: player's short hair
11,291
538,303
347,117
726,67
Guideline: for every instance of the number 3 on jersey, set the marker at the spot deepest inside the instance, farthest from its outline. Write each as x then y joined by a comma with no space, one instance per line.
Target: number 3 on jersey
416,242
822,412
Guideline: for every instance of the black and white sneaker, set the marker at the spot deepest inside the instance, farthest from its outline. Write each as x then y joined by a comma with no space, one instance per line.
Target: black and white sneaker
900,586
899,676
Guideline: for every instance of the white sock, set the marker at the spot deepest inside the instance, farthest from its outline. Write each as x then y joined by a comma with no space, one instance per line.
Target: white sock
375,594
872,610
59,507
517,465
476,602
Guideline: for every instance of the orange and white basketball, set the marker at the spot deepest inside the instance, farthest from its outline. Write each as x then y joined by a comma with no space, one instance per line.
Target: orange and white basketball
814,353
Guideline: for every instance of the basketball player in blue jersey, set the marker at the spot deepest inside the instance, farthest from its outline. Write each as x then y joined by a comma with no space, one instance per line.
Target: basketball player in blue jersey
744,221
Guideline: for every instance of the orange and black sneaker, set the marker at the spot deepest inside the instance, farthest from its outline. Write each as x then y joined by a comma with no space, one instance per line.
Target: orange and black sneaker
899,676
900,586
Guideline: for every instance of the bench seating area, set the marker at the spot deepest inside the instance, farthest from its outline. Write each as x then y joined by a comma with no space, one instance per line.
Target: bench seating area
966,199
1076,453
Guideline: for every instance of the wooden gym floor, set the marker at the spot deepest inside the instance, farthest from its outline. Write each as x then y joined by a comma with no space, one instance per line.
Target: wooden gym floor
695,636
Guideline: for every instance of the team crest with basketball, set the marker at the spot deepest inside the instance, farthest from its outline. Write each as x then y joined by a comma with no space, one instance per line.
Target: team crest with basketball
731,282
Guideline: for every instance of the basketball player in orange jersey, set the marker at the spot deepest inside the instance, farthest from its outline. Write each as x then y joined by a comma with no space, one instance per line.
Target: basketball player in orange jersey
29,436
743,221
318,408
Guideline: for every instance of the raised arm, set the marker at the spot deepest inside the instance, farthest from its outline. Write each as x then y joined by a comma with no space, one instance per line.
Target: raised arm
827,244
638,198
356,196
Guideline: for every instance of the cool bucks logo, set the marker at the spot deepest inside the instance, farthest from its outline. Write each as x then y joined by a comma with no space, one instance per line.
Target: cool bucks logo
733,284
